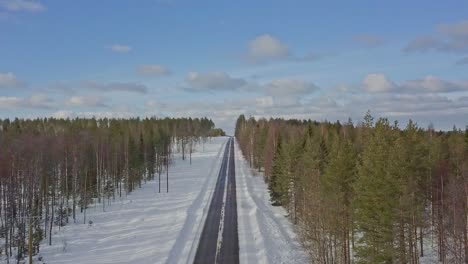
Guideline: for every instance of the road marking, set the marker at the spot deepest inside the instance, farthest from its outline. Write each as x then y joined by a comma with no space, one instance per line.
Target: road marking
223,208
219,240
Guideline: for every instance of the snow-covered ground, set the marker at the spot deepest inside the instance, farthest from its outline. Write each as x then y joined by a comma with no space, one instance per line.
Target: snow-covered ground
146,226
265,234
151,227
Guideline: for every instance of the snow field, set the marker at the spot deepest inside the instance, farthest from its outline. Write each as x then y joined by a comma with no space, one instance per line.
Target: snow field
151,227
146,226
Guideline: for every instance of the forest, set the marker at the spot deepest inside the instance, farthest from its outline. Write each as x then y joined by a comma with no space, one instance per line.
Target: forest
52,170
369,192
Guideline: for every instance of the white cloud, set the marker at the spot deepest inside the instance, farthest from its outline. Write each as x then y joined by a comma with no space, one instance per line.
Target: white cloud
153,70
266,48
63,114
289,87
9,80
22,5
369,40
423,44
71,88
118,48
287,103
447,38
423,100
426,106
213,81
113,114
457,30
89,101
62,87
153,104
434,85
377,83
37,101
116,87
7,102
266,101
40,101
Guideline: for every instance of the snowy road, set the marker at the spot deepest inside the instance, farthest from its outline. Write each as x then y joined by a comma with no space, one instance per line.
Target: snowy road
219,242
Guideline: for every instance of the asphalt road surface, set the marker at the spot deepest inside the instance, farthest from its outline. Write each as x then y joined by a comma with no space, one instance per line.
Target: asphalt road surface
219,241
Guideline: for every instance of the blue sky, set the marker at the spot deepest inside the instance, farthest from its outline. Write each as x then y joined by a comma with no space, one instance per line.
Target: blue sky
303,59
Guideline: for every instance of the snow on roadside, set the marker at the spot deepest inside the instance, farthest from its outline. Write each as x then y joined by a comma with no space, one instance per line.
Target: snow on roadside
146,226
265,234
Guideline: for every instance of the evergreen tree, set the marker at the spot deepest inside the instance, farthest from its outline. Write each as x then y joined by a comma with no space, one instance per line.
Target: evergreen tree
338,192
366,194
279,182
374,207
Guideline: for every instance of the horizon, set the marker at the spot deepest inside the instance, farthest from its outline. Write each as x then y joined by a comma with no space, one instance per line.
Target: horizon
174,58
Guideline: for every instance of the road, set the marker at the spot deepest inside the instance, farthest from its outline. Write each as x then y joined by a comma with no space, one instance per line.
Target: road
219,241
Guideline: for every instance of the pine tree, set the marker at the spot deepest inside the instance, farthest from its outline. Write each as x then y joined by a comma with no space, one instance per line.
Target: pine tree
338,180
279,182
374,207
372,191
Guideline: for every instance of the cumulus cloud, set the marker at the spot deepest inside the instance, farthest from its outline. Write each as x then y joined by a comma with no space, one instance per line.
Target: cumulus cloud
378,83
71,88
266,48
423,44
116,87
9,102
289,87
457,30
152,104
368,40
424,107
64,114
39,101
9,80
434,85
22,5
153,70
266,101
85,101
62,87
213,81
427,107
424,99
447,38
118,48
108,114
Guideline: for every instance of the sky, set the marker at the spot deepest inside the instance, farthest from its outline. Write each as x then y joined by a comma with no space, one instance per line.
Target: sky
320,60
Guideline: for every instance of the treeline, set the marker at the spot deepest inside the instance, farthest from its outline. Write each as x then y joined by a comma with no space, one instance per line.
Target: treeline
366,193
51,169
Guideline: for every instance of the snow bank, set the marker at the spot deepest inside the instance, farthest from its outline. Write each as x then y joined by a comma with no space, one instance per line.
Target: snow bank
265,234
